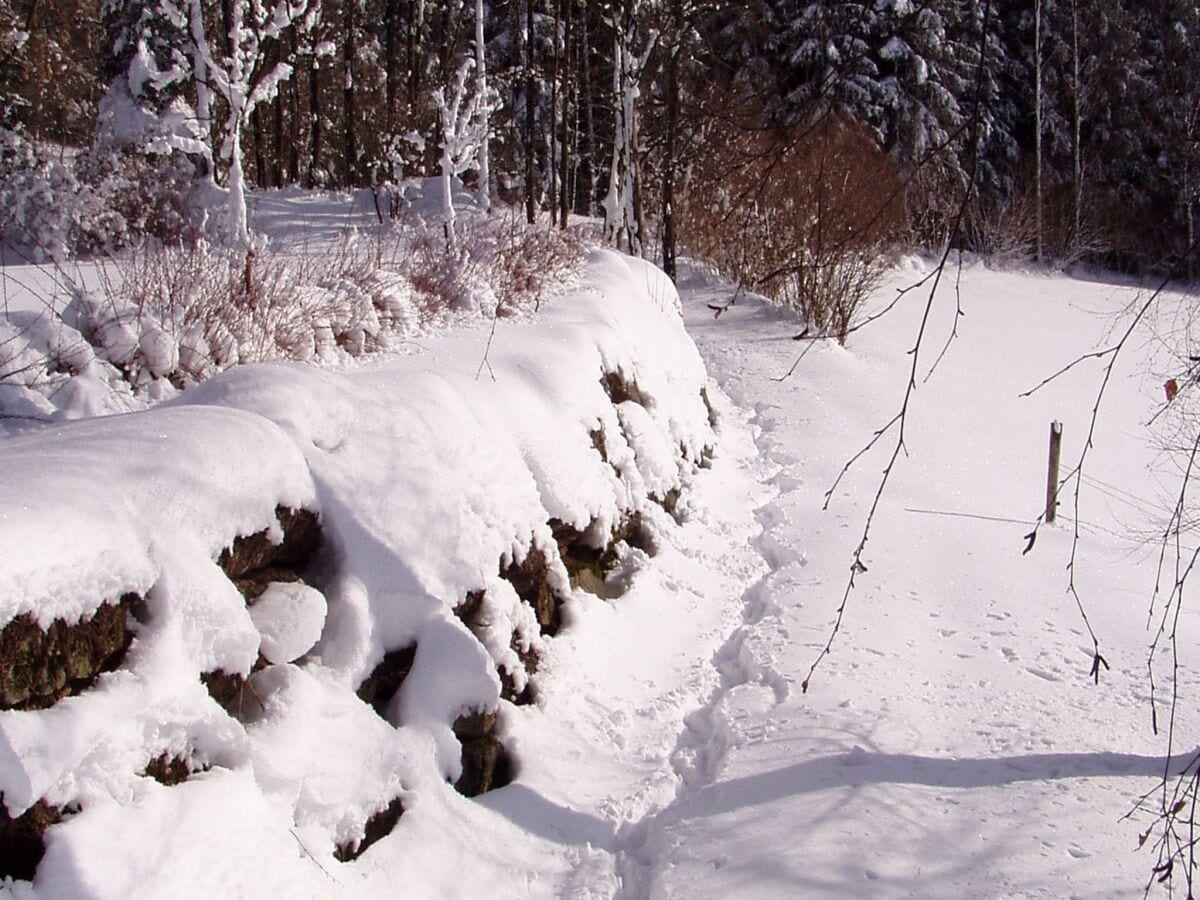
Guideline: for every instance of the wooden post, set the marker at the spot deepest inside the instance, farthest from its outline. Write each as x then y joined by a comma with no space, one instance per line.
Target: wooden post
1056,431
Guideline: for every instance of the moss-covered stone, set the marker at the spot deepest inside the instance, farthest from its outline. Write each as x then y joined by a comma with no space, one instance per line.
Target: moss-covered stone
224,687
669,502
38,667
599,443
234,692
485,762
508,687
712,413
378,827
251,553
621,389
529,579
469,611
169,769
255,583
22,841
385,679
584,563
589,566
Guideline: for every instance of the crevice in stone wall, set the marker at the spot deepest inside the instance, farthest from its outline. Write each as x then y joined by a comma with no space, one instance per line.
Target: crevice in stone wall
378,689
22,839
377,827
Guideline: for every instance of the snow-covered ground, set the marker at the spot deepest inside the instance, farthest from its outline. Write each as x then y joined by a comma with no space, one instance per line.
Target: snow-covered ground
951,745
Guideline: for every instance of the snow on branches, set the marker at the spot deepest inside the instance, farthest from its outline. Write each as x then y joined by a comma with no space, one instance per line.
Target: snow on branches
464,107
243,81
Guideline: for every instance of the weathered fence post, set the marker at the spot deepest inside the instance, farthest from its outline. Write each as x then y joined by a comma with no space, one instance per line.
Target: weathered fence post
1056,430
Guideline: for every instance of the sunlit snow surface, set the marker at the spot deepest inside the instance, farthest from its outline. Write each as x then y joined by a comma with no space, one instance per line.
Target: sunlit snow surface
951,746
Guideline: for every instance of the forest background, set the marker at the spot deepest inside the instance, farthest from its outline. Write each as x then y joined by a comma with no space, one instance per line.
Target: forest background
787,142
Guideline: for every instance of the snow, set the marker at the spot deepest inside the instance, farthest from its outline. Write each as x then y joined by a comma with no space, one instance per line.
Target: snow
428,478
951,745
289,619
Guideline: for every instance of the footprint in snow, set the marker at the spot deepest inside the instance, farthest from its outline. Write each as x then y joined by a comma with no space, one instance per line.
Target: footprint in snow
1042,673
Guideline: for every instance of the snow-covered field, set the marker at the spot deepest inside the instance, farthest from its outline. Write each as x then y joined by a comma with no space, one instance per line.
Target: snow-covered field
952,744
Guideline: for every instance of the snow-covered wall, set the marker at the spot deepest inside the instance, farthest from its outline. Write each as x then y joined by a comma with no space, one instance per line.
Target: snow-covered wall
464,490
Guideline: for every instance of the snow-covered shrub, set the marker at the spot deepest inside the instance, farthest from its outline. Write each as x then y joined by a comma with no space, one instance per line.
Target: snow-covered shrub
55,205
150,194
47,368
804,218
500,265
164,317
528,261
44,208
443,277
185,313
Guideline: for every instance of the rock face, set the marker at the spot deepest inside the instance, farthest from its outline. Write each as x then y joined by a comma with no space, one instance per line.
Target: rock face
39,667
468,611
168,769
254,563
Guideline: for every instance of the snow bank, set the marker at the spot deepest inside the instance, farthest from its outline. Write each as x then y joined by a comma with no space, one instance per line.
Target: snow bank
442,481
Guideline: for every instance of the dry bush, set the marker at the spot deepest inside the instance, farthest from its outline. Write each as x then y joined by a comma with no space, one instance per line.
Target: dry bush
1005,229
803,217
528,261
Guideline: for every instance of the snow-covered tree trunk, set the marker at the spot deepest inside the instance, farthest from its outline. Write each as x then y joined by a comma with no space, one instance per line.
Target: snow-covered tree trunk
243,81
620,221
463,115
613,203
235,96
482,162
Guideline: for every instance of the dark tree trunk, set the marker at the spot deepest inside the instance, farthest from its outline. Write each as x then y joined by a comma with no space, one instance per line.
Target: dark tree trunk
349,92
530,116
567,87
671,152
589,167
391,78
260,162
314,122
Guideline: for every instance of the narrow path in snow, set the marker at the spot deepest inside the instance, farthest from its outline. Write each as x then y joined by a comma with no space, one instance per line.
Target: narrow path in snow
742,683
